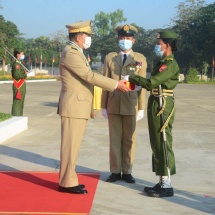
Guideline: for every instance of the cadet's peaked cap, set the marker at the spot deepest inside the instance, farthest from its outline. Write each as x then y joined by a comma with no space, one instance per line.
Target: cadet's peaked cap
80,27
167,35
126,30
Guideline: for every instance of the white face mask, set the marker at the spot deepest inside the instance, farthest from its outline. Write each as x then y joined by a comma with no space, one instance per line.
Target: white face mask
22,57
87,43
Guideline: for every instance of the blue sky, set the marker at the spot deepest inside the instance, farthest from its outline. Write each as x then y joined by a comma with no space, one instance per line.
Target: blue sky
36,18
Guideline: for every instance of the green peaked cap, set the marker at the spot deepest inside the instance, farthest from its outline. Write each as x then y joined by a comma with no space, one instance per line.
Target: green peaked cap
167,35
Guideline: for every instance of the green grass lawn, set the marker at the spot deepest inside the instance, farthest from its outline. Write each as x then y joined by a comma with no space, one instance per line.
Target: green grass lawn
5,116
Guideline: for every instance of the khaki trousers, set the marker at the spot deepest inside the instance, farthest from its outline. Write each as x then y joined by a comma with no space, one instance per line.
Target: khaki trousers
72,131
122,132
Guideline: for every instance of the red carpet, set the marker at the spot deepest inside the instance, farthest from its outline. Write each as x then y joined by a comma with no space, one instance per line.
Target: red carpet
36,193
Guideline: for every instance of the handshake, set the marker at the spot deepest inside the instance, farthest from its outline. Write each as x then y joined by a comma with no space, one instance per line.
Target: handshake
124,85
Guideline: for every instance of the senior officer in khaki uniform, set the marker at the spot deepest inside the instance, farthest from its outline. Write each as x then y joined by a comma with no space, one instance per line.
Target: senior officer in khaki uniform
75,102
123,109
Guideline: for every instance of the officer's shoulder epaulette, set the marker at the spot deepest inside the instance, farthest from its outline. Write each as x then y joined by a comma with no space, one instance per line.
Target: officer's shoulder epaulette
170,59
73,47
137,54
112,53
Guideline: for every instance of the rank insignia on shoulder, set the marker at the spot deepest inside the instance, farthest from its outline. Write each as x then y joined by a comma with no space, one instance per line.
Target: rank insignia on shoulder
163,67
169,58
17,66
73,47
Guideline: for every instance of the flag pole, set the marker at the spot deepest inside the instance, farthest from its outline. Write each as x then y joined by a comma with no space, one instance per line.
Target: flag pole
212,71
41,59
52,68
16,59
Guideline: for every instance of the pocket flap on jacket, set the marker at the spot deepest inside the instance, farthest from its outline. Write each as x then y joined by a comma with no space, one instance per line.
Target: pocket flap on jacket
82,97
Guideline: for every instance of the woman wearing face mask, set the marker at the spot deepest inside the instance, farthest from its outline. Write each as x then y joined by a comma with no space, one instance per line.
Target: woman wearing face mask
161,112
19,86
123,110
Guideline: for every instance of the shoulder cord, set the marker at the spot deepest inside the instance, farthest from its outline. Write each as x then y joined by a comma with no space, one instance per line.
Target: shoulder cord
161,111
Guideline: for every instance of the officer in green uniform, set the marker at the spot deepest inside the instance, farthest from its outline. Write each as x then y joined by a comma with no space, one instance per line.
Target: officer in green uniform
19,86
165,74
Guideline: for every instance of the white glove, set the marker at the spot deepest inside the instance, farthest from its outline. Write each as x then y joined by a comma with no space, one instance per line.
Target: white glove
140,115
104,113
126,78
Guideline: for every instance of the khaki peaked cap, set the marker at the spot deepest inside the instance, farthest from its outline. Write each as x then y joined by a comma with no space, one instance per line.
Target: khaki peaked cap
80,27
126,30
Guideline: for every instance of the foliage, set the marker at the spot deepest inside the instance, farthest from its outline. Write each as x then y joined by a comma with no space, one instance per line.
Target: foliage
5,116
205,68
192,75
105,24
195,24
7,77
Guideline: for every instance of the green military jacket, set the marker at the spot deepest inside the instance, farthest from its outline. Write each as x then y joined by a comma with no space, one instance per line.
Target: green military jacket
166,73
18,72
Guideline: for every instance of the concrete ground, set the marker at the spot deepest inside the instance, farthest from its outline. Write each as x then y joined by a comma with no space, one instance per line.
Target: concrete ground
37,149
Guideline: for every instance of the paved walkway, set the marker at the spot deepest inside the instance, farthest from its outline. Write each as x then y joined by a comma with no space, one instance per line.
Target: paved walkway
37,149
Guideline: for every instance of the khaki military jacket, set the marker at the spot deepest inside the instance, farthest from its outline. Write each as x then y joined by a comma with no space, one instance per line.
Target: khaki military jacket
77,80
124,103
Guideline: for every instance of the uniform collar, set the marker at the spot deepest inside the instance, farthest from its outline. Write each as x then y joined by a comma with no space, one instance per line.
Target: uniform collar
126,53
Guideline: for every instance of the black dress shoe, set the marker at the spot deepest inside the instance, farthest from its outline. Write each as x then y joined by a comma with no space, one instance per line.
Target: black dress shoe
128,178
162,192
114,177
73,190
156,187
81,186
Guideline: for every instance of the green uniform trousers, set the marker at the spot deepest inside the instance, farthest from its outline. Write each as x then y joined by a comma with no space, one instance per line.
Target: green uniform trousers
156,137
18,105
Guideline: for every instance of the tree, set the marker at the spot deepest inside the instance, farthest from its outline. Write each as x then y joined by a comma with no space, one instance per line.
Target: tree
205,68
105,38
106,23
195,23
58,40
8,38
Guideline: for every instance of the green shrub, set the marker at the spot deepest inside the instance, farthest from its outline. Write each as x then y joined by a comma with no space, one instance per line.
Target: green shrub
192,75
5,116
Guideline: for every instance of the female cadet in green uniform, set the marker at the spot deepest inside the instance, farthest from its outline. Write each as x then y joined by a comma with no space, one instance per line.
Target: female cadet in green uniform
166,74
19,86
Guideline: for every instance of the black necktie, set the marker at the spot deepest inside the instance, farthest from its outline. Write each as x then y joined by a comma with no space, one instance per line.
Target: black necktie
124,58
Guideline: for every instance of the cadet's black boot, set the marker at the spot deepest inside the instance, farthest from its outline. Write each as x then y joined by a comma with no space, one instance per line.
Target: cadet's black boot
156,187
165,189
